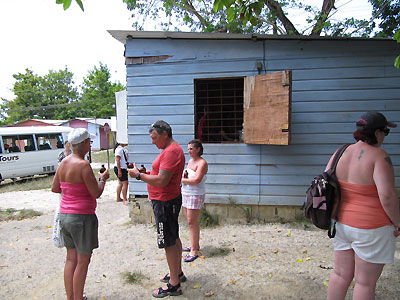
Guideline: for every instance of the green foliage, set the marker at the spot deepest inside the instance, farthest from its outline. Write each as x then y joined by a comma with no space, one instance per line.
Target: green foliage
40,97
207,220
245,16
98,94
135,277
397,38
67,3
223,251
388,14
54,96
14,214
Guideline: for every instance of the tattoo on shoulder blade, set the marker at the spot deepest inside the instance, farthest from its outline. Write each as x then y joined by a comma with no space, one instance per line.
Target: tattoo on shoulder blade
387,158
361,153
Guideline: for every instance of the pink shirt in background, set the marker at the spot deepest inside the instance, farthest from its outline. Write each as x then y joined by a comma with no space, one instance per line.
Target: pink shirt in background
76,199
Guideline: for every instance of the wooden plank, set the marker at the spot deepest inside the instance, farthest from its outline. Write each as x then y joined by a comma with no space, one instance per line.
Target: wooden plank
346,95
171,119
329,84
190,50
157,109
341,106
267,109
177,89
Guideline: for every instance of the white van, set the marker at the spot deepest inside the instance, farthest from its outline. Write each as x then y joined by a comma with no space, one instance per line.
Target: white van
28,151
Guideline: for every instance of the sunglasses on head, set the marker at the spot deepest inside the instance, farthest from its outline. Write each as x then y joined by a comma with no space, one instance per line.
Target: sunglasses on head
385,130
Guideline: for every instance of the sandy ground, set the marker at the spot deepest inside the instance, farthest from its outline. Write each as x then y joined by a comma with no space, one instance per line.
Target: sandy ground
269,261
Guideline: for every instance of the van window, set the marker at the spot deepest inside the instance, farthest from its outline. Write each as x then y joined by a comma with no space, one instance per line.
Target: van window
18,143
47,141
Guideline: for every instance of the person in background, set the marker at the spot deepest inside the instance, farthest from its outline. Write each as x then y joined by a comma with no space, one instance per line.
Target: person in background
67,151
79,225
121,170
193,195
368,213
163,185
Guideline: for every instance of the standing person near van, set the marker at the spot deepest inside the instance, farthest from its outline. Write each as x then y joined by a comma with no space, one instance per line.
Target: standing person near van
368,213
163,184
79,225
121,170
193,195
67,151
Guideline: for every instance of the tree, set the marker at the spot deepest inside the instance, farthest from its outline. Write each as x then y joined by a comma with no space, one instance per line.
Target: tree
240,16
40,97
388,13
98,94
67,3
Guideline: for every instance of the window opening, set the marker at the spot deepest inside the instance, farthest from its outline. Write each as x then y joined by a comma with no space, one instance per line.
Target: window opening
219,110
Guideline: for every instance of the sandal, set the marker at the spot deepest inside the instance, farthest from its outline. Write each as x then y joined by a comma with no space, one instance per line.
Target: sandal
188,249
182,278
190,258
170,291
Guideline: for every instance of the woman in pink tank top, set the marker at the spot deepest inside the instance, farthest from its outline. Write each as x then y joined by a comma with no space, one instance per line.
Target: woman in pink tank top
368,213
79,187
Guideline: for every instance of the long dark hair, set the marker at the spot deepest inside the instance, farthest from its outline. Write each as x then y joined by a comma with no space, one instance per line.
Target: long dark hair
197,144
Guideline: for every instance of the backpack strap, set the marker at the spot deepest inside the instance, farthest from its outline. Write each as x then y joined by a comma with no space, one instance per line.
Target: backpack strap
331,171
126,160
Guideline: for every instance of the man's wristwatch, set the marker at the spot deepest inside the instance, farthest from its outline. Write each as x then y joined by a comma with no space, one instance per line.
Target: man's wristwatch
138,176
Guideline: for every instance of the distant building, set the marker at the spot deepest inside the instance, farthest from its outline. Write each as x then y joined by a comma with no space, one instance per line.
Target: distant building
94,126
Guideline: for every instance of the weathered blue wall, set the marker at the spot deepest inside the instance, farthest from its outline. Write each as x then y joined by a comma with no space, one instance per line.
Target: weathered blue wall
333,83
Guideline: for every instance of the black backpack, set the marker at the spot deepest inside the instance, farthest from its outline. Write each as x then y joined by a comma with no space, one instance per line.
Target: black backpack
320,197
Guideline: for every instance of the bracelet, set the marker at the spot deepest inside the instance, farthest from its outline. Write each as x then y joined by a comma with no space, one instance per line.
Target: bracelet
138,176
101,180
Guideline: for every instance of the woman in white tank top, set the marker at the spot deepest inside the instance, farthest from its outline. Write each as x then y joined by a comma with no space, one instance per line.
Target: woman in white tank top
193,195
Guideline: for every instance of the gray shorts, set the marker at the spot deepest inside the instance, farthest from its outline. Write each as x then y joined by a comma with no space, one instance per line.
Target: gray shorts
80,231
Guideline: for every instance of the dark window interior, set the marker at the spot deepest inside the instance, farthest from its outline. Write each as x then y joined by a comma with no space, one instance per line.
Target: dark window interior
219,110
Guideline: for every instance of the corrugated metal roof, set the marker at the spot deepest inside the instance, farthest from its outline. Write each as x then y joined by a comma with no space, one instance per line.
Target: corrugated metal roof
123,35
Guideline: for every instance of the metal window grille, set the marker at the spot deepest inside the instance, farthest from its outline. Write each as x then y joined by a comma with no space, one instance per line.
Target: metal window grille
219,110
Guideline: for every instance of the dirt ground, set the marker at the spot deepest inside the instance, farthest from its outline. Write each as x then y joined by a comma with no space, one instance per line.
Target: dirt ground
268,261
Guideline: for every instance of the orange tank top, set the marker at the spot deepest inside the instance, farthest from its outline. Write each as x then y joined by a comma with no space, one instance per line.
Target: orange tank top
360,206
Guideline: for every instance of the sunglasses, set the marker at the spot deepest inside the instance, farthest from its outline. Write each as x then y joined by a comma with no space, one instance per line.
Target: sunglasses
385,130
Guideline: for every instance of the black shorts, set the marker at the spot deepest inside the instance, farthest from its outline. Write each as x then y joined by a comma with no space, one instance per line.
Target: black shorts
166,214
124,176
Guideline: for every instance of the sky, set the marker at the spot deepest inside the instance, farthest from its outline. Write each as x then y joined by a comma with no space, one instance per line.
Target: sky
41,36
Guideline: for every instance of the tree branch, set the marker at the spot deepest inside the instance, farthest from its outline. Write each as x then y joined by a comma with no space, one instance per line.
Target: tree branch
276,9
188,6
327,6
276,27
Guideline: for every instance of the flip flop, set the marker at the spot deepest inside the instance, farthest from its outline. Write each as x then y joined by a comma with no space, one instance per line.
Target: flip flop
186,249
190,258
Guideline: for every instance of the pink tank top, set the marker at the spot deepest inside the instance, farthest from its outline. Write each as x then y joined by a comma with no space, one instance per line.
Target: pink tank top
360,206
76,199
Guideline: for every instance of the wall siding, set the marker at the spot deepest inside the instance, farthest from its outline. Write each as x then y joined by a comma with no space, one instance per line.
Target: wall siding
333,83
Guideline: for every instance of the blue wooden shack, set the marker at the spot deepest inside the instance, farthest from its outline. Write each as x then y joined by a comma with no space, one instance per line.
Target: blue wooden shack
269,109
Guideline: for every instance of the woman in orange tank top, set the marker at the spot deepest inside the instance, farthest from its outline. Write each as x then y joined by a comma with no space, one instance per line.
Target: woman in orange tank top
368,216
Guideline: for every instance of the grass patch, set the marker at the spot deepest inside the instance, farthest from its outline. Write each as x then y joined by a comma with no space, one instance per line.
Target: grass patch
207,220
219,252
133,277
14,214
33,183
100,156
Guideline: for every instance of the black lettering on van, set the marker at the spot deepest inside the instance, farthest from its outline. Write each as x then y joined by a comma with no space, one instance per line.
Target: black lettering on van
8,158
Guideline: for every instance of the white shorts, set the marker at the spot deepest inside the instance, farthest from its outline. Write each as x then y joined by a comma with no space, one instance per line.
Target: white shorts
372,245
193,201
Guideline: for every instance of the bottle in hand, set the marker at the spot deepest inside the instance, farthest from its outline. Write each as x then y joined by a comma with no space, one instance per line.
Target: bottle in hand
142,169
186,174
102,169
